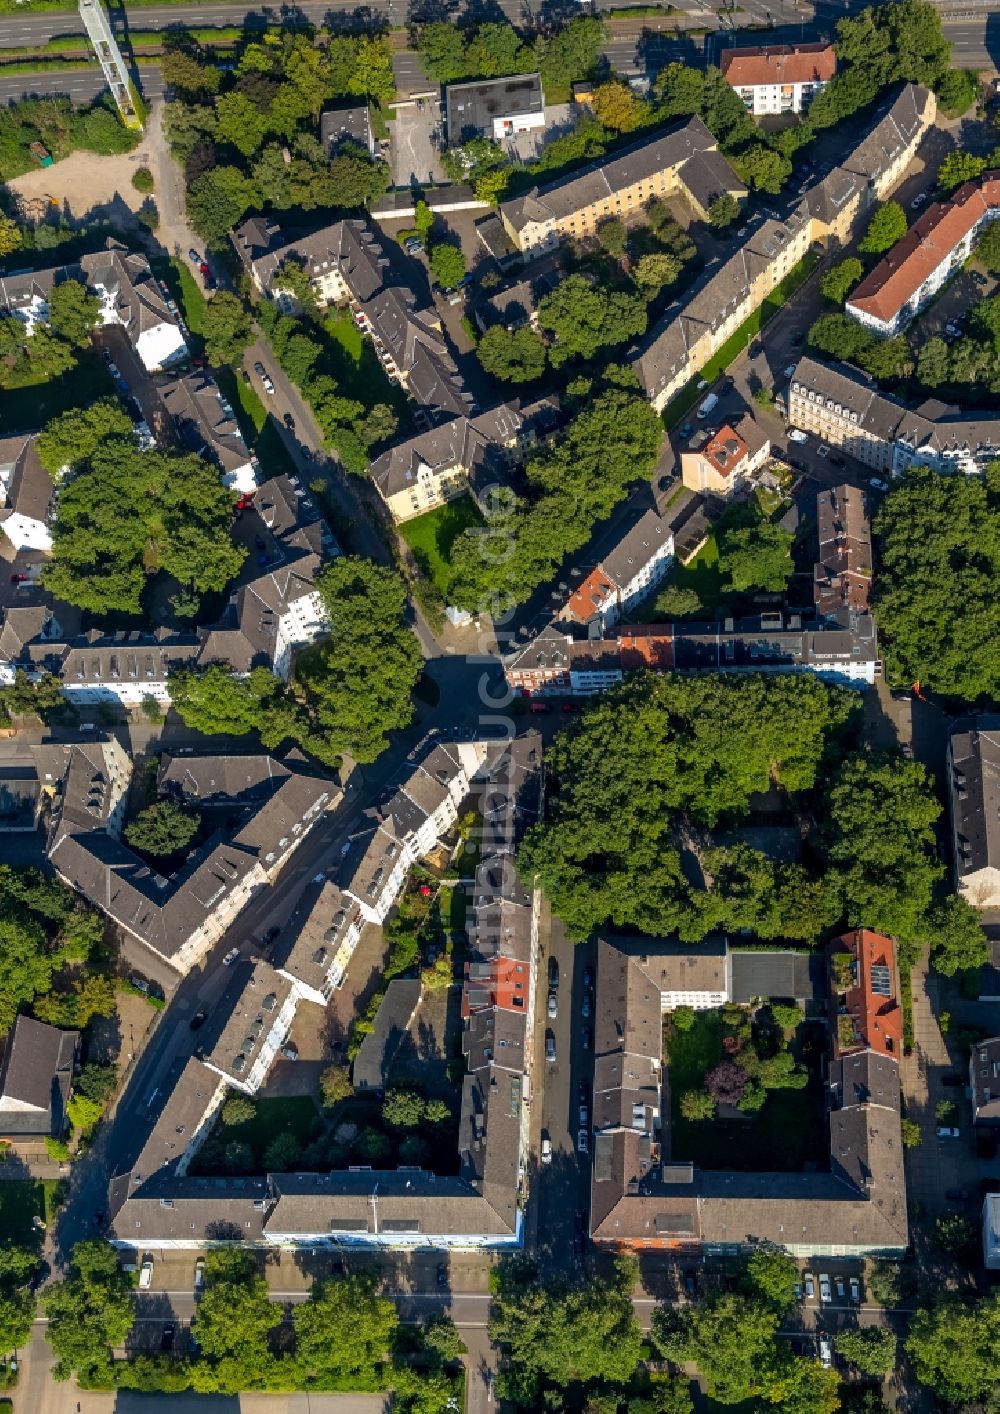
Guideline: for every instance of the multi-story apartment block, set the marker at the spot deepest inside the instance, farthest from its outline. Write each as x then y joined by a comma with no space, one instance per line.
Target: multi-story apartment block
624,576
642,1202
974,797
842,574
845,410
683,162
204,423
171,923
865,1009
935,247
449,460
26,495
779,78
314,954
984,1081
263,1009
343,261
696,326
728,460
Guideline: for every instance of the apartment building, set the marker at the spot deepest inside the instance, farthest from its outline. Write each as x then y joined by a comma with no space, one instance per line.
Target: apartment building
314,952
351,125
865,1009
842,573
27,500
36,1080
984,1081
697,324
845,409
974,799
562,661
256,1027
778,78
624,576
684,161
449,460
936,246
204,423
265,811
642,1202
728,460
343,261
494,108
157,1205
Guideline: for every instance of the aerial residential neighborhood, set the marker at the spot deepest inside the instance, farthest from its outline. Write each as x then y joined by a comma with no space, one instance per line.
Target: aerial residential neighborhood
499,708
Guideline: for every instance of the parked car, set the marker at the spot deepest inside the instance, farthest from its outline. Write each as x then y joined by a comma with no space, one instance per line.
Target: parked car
855,1291
541,709
583,1116
267,385
199,1274
585,1006
686,430
690,1285
167,1337
953,1080
588,978
587,1038
947,1131
879,484
795,435
259,369
550,1047
231,956
841,1288
546,1154
825,1351
835,460
918,201
798,1293
289,421
194,257
442,1274
198,1020
146,1273
953,330
825,1293
553,1006
582,1142
290,1053
789,369
810,1285
553,973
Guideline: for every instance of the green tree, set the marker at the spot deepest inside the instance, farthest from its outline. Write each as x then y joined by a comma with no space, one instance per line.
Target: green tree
757,556
840,337
18,1269
447,264
89,1311
216,701
618,107
773,1276
678,602
988,247
611,236
697,1105
441,47
585,318
548,1334
870,1349
933,363
955,1234
911,1135
345,1328
954,1347
359,682
568,53
762,168
679,90
10,235
653,272
496,50
162,829
837,283
27,965
957,90
335,1085
958,167
238,1109
241,122
83,1112
71,439
226,328
217,200
355,180
512,355
403,1109
723,211
131,513
185,74
88,996
73,313
887,226
233,1321
729,1338
938,611
442,1339
282,1154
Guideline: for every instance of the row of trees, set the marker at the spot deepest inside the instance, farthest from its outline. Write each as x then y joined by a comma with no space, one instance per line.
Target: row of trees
62,129
348,691
48,350
612,441
47,938
231,134
562,54
657,765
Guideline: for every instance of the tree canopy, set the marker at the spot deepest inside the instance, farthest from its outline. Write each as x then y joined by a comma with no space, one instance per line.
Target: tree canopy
584,318
954,1347
90,1311
42,928
18,1268
129,514
72,438
345,1328
226,328
887,226
162,829
837,282
511,355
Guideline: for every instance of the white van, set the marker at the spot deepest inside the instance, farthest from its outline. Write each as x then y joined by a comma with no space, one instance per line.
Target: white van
146,1273
546,1149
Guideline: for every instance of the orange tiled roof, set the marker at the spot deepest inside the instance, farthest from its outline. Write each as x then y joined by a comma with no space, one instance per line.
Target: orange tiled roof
873,1000
646,646
779,63
589,597
725,451
897,278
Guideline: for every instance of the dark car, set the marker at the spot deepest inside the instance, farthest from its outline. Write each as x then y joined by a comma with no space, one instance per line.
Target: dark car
686,430
258,368
588,977
167,1338
442,1274
289,421
690,1285
198,1020
953,1080
727,385
553,973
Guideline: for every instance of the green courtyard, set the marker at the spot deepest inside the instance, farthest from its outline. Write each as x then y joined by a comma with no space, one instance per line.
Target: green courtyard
431,537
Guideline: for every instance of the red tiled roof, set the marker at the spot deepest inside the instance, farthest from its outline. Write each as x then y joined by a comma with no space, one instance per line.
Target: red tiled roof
873,1000
646,646
779,63
725,451
929,241
589,597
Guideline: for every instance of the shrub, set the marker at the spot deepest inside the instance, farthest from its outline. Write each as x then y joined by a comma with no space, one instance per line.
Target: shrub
142,179
238,1110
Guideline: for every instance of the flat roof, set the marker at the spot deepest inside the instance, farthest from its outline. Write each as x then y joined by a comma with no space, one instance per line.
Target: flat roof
474,107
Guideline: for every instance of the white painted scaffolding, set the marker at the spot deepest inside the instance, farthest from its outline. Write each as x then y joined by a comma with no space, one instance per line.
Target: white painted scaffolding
110,57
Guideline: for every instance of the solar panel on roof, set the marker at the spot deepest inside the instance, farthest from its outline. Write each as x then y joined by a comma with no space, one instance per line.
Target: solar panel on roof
881,980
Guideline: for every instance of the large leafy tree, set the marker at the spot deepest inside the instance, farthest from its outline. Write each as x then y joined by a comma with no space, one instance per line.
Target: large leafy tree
954,1347
72,438
837,283
584,318
731,1339
885,228
131,513
757,556
162,829
447,264
938,605
226,328
217,199
553,1336
234,1319
345,1328
870,1349
90,1312
73,313
216,701
18,1266
511,355
358,682
773,1276
652,755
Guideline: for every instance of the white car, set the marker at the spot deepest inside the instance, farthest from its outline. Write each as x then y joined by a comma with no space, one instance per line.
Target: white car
146,1273
823,451
810,1286
879,484
947,1131
199,1274
825,1352
841,1289
795,435
825,1293
546,1149
231,956
790,370
582,1143
855,1291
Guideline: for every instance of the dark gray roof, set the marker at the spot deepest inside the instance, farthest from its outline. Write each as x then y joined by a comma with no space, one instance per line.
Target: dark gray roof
798,975
636,548
338,125
28,486
204,421
36,1074
378,1049
974,788
347,246
472,108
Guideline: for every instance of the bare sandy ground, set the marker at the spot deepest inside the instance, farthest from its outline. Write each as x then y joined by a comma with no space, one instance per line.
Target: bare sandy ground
84,184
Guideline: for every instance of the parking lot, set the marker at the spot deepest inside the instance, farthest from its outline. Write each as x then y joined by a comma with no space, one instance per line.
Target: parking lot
414,138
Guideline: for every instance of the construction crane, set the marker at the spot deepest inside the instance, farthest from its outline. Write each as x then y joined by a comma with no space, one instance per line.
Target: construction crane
109,56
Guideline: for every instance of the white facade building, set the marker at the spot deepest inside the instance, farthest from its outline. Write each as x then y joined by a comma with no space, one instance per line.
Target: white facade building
780,78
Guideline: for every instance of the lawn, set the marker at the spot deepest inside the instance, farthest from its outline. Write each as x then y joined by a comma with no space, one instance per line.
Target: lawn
784,1136
21,1200
259,431
291,1114
737,342
35,404
352,360
185,290
431,537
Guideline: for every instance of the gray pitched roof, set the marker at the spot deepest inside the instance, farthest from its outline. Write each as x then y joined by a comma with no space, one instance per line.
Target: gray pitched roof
36,1074
28,485
974,787
204,421
378,1049
347,246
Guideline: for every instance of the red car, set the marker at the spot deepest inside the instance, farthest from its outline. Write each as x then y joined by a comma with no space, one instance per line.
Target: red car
570,707
541,709
203,268
19,579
